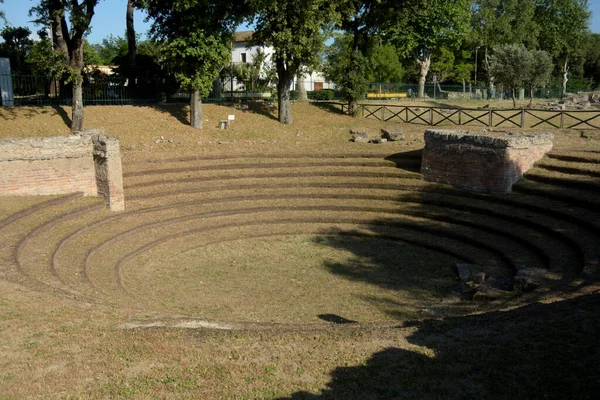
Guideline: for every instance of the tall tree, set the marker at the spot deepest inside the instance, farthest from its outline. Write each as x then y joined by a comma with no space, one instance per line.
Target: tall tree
564,27
375,63
347,67
110,48
432,25
501,22
131,42
362,21
294,30
385,65
539,72
591,66
17,45
511,64
196,40
69,39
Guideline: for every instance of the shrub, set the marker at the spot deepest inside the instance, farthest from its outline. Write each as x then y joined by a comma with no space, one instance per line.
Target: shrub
324,94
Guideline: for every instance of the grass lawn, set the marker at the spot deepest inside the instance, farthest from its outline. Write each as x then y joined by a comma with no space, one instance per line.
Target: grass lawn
286,262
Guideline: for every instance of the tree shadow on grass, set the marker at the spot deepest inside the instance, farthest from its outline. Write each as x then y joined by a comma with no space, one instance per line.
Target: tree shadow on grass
333,108
14,112
266,109
63,115
179,111
540,351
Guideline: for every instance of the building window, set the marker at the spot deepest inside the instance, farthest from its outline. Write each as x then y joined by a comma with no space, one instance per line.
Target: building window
243,57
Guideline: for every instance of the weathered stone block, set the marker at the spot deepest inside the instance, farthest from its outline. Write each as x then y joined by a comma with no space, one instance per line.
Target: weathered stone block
488,162
109,171
359,136
392,134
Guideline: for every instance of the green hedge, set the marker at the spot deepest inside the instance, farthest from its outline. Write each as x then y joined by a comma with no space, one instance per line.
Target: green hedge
325,94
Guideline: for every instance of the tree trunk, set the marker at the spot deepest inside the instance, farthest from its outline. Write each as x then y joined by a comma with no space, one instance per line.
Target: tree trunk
285,76
424,64
59,28
196,110
355,71
283,97
300,88
76,64
131,46
514,99
530,97
77,116
490,78
491,92
464,85
565,71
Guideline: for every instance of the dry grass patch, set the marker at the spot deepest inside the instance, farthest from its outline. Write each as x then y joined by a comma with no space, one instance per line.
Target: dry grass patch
217,227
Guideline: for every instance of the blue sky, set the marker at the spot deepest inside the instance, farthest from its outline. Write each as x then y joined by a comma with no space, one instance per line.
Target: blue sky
110,17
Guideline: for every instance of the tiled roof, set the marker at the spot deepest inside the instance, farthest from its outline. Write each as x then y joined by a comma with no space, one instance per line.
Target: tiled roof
242,36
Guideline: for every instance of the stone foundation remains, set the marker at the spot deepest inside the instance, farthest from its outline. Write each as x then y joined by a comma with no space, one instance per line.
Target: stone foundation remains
488,162
63,164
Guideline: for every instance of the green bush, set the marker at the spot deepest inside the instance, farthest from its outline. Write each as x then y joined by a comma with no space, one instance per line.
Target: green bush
324,94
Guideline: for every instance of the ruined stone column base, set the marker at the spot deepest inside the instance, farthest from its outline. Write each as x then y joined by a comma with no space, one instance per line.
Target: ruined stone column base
490,162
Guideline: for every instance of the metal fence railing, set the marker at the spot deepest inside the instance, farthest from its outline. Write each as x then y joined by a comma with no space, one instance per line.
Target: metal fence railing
97,90
468,91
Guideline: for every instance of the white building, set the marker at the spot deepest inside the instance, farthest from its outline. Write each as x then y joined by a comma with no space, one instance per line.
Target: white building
243,52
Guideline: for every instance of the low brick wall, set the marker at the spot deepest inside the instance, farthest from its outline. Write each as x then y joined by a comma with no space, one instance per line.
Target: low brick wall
485,162
62,164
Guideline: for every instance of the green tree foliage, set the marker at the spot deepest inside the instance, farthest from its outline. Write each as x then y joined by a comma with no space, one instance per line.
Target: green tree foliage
591,65
361,21
463,72
385,65
443,67
147,62
348,71
90,56
378,63
564,29
44,60
16,46
295,31
110,48
539,71
516,67
509,65
430,27
500,22
196,39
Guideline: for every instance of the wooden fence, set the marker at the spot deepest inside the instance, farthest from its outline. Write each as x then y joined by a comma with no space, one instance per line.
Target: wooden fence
521,118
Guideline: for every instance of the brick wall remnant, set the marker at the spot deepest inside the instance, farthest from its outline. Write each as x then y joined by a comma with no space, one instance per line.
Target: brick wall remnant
60,165
484,161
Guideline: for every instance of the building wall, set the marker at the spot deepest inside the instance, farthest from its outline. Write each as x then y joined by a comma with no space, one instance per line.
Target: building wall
312,81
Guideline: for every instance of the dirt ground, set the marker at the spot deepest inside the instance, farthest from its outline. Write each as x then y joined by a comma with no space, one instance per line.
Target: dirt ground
270,261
